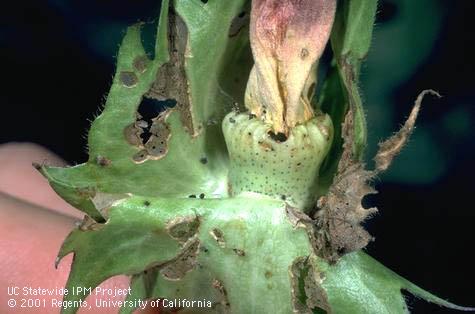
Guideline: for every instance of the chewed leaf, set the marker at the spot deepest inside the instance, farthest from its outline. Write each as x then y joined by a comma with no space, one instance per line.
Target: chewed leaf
78,194
130,242
179,152
341,212
195,249
155,176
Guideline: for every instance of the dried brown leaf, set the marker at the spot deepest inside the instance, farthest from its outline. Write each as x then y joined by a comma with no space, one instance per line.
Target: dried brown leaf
338,227
389,148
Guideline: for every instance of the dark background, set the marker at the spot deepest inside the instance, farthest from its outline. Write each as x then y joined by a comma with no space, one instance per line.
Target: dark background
57,60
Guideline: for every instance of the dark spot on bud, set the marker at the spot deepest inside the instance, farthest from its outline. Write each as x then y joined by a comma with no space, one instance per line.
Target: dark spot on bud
303,53
204,160
231,120
146,203
279,137
202,196
192,196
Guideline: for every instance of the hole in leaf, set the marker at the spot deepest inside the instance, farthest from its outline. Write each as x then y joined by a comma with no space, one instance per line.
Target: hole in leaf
369,201
307,295
149,109
171,81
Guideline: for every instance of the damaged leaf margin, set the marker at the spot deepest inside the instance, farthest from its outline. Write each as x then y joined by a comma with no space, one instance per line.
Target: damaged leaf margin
307,294
120,159
337,291
340,212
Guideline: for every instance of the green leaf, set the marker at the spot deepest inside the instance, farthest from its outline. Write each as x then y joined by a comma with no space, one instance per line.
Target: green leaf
133,239
353,28
350,39
237,253
192,163
247,245
332,102
360,284
208,26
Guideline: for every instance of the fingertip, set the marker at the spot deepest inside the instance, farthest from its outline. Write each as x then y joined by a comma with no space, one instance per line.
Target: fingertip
19,178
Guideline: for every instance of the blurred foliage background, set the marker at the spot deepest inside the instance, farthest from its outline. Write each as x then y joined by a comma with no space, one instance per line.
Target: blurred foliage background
57,59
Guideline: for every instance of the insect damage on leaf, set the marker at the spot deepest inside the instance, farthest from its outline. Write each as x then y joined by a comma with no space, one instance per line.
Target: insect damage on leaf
104,201
171,81
169,89
307,293
152,139
128,79
141,63
183,228
341,214
225,305
89,224
338,221
185,262
218,236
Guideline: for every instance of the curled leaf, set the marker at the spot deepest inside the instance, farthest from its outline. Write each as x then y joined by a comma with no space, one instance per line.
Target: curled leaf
338,222
393,145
